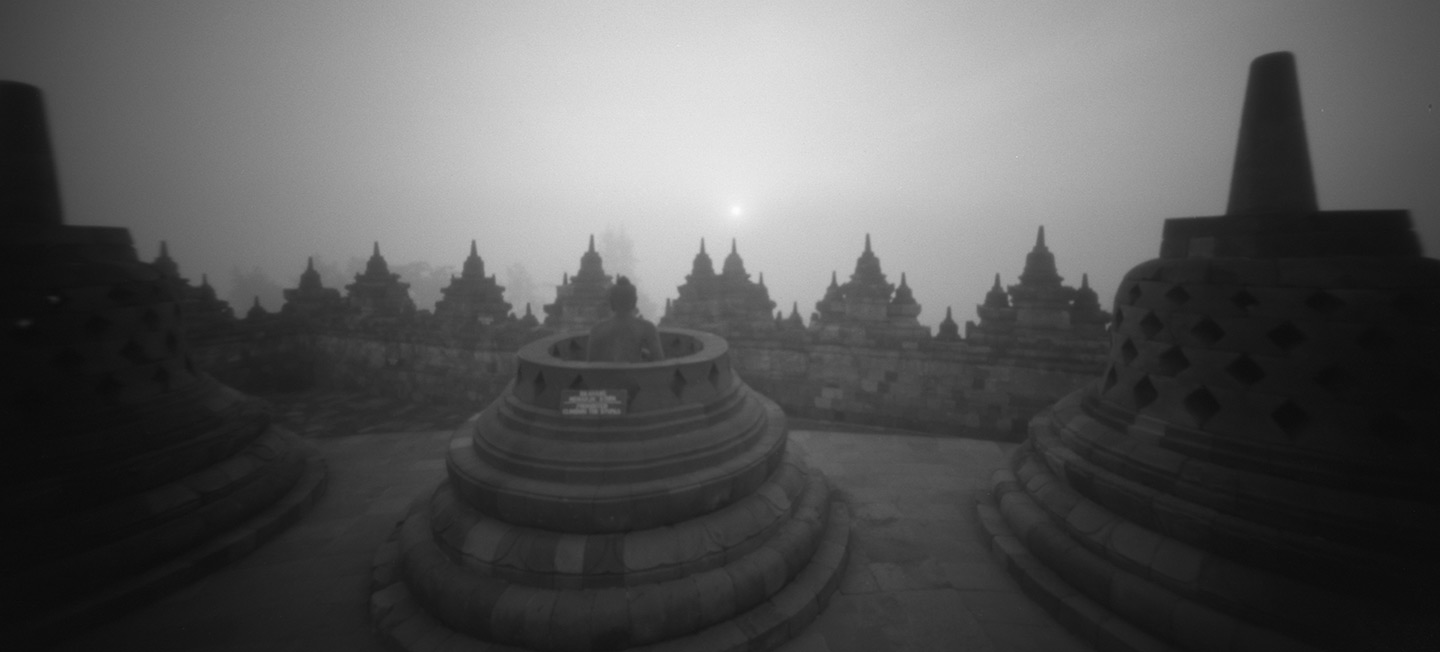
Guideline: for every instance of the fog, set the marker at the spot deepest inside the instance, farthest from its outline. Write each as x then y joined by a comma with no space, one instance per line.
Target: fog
254,134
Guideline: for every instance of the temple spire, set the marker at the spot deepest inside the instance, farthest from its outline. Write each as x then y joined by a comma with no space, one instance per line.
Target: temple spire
1040,238
309,264
1085,281
997,282
1272,158
592,242
376,252
472,249
702,245
29,190
867,243
164,250
732,245
833,282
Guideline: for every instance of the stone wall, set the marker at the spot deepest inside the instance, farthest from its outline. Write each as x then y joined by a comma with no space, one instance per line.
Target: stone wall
930,386
977,390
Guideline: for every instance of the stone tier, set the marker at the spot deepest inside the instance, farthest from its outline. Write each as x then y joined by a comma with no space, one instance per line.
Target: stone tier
682,522
126,470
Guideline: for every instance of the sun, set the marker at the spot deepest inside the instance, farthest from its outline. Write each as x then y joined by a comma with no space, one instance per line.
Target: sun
737,211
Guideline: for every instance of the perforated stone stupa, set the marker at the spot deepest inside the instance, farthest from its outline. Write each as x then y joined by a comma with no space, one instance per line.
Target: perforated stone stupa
473,298
1254,469
721,303
604,506
868,307
125,471
582,300
378,293
311,299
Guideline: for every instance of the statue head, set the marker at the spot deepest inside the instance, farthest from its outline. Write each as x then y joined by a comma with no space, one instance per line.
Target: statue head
622,297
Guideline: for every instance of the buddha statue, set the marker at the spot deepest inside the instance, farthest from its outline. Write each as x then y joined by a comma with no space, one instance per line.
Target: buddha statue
625,336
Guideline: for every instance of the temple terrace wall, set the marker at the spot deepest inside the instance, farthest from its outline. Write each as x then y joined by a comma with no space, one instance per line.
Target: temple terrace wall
956,388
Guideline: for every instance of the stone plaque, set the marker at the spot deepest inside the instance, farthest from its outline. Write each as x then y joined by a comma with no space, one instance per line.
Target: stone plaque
592,402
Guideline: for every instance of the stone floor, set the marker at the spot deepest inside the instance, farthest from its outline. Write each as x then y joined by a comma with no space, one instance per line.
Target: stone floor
919,577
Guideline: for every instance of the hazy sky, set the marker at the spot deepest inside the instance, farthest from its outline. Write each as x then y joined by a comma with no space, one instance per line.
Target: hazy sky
256,133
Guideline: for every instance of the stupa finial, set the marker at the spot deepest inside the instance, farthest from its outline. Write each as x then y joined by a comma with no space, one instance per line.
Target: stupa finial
310,263
592,242
867,243
997,281
732,245
164,250
473,252
1272,158
702,245
29,190
1040,238
376,251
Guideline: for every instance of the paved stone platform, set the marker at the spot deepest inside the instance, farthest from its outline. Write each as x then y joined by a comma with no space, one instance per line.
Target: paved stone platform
920,576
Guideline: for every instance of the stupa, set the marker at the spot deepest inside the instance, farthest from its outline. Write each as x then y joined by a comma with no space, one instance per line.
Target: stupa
581,300
868,307
473,298
1252,470
604,506
377,293
1038,308
724,303
202,311
312,300
125,471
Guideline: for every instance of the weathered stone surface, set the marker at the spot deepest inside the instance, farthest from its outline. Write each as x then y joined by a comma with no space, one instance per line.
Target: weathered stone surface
682,507
1251,470
125,470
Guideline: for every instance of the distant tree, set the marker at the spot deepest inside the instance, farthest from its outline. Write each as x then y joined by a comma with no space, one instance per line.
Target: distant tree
618,252
245,286
520,289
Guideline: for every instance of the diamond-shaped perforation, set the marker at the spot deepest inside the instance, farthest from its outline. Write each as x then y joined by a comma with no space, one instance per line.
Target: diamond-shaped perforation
579,383
1334,379
1393,430
121,294
1202,406
1134,293
133,352
1374,340
1324,303
107,387
1128,352
1245,370
1110,379
574,351
1151,325
1207,331
1409,306
537,384
69,360
1291,419
1119,316
1244,300
1177,295
1286,336
96,326
678,383
713,375
1145,392
1172,361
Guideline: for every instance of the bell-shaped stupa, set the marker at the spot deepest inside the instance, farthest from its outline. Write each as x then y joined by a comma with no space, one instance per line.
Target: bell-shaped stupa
1252,470
125,471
